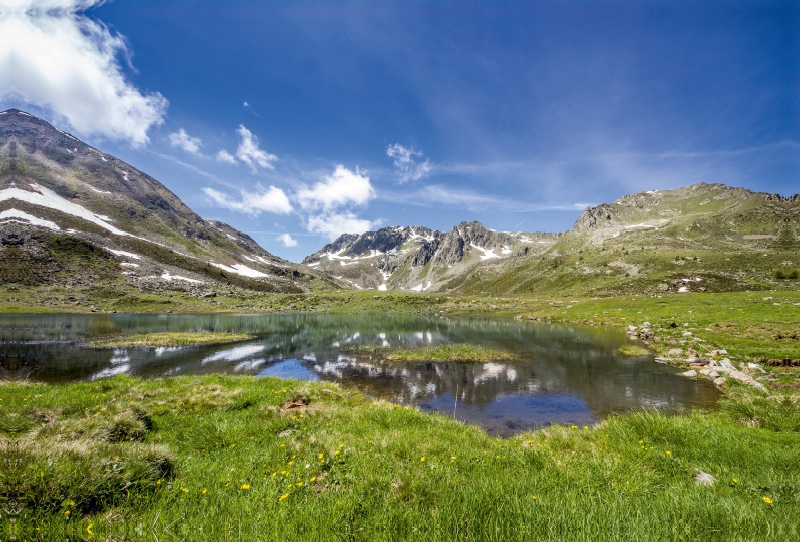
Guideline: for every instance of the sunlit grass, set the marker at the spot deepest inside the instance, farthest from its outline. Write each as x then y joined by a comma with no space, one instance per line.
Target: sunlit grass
216,457
152,340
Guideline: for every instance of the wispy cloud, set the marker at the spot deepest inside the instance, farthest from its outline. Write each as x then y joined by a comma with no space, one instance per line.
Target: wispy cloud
409,168
272,200
287,240
225,156
334,224
55,58
184,141
249,151
342,187
439,195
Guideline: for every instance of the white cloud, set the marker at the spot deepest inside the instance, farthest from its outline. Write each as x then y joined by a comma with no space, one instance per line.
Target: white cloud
410,170
249,151
335,224
184,141
287,240
225,156
273,200
339,189
53,57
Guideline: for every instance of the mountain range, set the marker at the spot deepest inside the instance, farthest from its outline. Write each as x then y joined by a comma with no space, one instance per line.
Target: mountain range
72,215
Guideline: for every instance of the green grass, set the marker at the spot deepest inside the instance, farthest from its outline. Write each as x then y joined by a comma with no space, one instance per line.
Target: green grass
451,352
153,340
462,353
634,351
243,458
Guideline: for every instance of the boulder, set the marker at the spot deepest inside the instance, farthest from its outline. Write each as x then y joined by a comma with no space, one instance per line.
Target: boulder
713,375
689,374
718,382
675,352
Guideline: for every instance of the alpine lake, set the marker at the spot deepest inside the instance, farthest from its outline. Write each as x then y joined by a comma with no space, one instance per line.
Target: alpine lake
563,374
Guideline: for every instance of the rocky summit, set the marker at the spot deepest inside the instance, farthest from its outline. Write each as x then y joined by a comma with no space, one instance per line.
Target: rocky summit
73,215
417,258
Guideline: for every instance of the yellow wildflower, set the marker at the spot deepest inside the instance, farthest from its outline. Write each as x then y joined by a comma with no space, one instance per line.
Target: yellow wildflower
766,500
313,479
67,513
283,497
245,486
669,453
336,452
204,491
533,497
735,481
422,459
453,458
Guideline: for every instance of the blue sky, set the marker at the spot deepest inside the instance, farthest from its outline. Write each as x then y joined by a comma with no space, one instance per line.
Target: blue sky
339,116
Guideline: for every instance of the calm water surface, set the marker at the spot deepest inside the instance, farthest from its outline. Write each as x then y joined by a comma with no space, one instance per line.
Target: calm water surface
565,374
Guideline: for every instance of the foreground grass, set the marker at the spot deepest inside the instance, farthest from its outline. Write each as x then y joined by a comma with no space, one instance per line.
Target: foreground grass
153,340
242,458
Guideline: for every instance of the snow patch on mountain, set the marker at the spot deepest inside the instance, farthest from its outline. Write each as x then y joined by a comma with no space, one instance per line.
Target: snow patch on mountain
15,215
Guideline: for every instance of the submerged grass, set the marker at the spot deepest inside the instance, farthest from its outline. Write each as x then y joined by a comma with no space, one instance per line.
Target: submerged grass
243,458
463,353
166,339
456,353
634,351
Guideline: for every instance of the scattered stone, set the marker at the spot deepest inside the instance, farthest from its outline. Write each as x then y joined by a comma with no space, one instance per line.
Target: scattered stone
631,328
706,371
722,352
687,333
713,375
689,374
768,298
759,386
647,324
672,341
755,366
727,363
285,433
704,479
744,378
675,352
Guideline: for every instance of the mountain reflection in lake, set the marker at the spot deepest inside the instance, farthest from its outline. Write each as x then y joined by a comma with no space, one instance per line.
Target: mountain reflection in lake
565,374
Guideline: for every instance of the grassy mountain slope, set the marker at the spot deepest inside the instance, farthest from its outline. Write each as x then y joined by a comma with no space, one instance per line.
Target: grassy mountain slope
702,237
70,214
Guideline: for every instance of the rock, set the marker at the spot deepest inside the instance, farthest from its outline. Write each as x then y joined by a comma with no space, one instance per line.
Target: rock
706,372
634,336
722,352
759,386
713,375
675,352
691,353
718,382
723,369
704,479
755,366
631,328
647,324
672,341
744,378
687,333
689,374
518,317
768,298
673,324
727,363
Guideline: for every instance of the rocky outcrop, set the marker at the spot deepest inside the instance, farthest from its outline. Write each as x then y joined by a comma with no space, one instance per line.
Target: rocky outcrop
596,217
